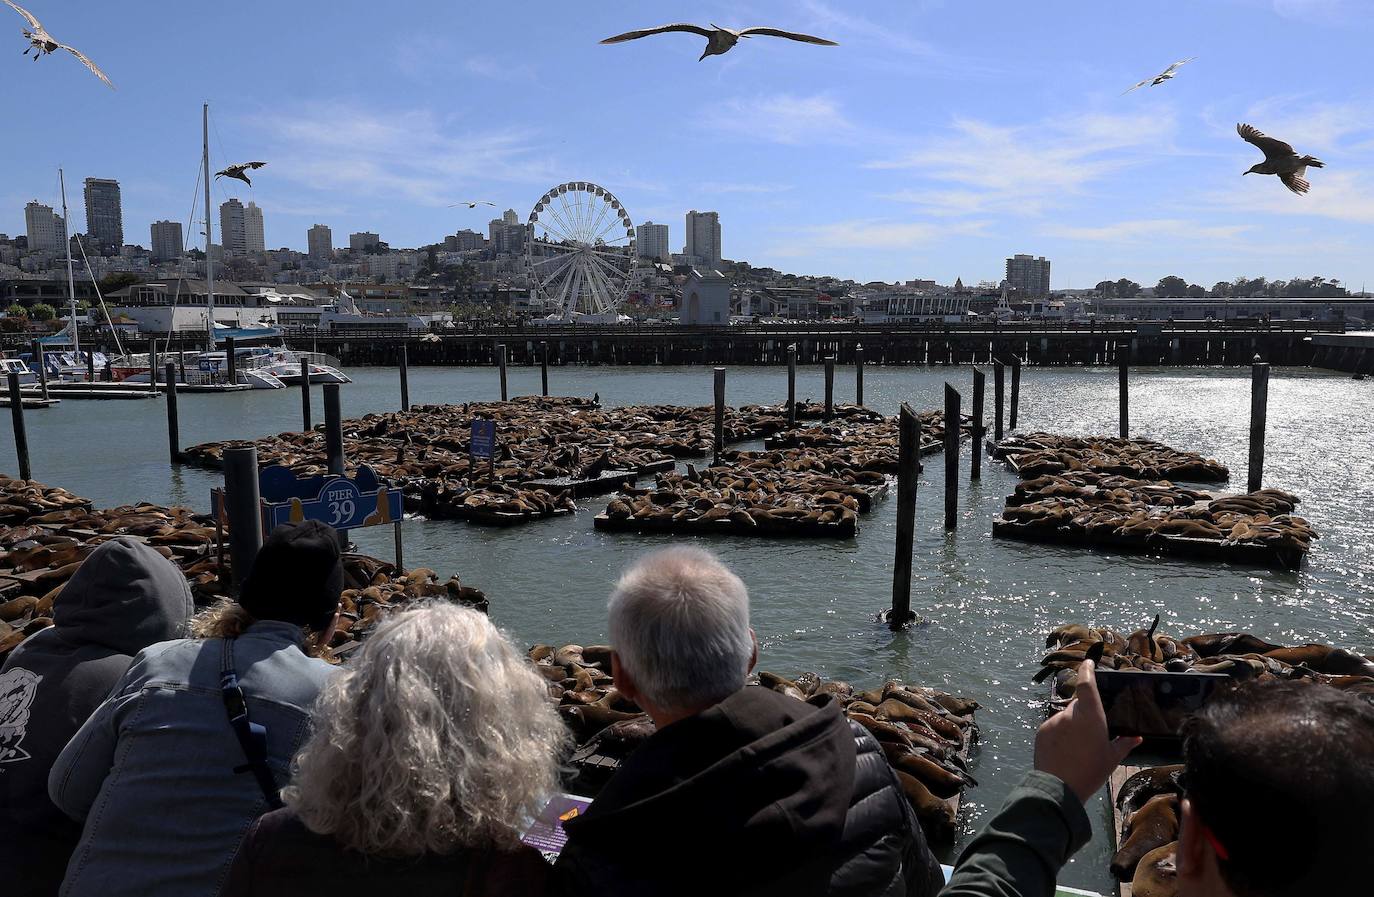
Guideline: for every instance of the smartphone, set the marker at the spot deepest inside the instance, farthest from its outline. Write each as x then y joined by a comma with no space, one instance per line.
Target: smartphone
1154,705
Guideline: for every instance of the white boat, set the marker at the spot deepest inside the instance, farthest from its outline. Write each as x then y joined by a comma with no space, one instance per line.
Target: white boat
16,366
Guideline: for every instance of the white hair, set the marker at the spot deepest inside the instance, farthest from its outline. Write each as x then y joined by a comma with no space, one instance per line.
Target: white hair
679,623
438,736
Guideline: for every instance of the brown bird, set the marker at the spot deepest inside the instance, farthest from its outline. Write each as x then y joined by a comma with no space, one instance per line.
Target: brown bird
719,40
1280,159
41,43
237,171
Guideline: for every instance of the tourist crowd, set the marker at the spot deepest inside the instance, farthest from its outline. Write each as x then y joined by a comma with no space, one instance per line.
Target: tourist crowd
144,752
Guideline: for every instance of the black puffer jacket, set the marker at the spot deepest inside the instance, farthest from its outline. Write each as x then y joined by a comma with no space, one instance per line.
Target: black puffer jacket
759,795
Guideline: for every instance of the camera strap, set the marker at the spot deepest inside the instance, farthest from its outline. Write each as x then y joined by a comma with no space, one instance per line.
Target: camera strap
252,736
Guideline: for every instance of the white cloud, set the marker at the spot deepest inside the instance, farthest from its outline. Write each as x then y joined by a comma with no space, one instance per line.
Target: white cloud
1148,231
1337,195
497,70
1311,125
781,118
849,28
727,187
1315,10
868,234
1026,169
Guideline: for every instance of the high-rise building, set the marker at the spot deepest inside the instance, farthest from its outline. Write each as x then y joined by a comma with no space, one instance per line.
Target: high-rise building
703,238
1029,275
363,241
104,215
466,240
320,242
231,232
509,217
166,240
45,229
506,236
651,241
253,238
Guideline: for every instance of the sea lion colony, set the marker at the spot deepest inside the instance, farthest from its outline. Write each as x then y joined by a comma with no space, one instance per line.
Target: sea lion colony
1239,655
1108,508
925,733
41,549
1039,453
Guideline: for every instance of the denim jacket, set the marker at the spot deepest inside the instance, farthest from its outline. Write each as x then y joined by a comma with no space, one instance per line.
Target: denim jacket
152,771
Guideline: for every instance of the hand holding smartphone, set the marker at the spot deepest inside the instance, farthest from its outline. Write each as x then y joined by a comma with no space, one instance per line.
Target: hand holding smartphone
1153,705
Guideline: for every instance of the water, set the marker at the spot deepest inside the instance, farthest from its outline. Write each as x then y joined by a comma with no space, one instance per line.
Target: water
985,603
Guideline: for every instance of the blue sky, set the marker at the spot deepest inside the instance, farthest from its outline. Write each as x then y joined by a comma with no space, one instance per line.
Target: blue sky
938,138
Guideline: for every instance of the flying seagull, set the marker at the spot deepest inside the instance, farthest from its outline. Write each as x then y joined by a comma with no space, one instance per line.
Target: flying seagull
42,43
719,40
1166,75
473,203
237,171
1279,159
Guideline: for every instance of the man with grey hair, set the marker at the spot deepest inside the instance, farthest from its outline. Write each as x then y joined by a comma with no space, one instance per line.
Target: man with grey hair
740,790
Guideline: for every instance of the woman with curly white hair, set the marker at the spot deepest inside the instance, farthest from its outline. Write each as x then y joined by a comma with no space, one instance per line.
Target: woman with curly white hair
428,754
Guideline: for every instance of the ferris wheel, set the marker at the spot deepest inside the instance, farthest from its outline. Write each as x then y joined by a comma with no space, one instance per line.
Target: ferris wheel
580,251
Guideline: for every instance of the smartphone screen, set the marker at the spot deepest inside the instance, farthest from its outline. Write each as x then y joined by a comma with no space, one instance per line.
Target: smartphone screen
1153,705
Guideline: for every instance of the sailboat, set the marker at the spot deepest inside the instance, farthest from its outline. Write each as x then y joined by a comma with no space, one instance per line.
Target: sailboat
69,364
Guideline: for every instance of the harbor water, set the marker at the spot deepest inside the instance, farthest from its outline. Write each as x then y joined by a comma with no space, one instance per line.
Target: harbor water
984,604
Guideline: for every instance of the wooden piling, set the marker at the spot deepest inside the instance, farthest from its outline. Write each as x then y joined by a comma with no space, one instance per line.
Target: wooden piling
501,361
859,375
231,360
152,365
333,430
999,375
1259,414
951,457
90,364
792,385
243,508
405,378
42,367
908,467
307,424
173,425
21,438
719,441
829,387
544,367
1015,392
1123,394
976,467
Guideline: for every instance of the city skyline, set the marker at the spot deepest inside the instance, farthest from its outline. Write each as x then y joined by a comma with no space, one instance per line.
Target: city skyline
933,142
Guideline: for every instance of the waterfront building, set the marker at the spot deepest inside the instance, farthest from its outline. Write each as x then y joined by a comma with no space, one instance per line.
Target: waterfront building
1029,275
231,227
1354,310
166,240
254,240
651,241
320,242
705,299
896,306
104,213
361,242
45,228
703,238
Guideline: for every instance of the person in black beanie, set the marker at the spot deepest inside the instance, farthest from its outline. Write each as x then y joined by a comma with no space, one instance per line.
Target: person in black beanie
167,774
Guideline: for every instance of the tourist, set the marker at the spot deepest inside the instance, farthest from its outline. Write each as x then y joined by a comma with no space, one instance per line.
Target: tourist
429,754
741,790
1277,790
162,778
123,598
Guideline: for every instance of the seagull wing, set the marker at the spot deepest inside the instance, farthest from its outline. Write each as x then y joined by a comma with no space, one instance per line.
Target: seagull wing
1137,87
661,29
790,35
33,22
86,61
1268,145
254,164
1175,67
1295,180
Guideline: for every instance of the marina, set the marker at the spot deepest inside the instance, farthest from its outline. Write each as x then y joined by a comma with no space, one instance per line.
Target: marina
983,603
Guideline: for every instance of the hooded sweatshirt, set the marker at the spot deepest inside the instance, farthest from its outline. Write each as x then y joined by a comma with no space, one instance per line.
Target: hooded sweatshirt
124,598
760,794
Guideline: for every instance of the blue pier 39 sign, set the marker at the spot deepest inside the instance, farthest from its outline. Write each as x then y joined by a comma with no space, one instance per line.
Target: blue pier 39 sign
338,501
483,439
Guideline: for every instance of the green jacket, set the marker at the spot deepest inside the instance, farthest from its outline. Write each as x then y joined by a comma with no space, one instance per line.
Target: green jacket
1020,851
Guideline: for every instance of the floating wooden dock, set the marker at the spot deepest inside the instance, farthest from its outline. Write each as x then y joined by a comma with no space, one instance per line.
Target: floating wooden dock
1118,778
30,400
1252,554
99,389
839,529
605,482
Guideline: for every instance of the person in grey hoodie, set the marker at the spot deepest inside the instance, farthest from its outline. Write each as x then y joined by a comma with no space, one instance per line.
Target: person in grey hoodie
122,599
164,784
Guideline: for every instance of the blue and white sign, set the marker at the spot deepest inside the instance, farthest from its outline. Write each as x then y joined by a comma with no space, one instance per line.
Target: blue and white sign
209,365
342,505
483,439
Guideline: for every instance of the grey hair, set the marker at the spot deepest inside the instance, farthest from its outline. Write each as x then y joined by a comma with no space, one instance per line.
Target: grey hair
440,735
679,624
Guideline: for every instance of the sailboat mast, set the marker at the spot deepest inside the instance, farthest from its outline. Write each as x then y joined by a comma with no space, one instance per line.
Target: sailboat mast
71,281
209,260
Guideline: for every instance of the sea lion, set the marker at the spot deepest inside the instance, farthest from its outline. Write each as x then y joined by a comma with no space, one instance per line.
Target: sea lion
1228,643
1146,784
1156,875
1142,642
1153,825
954,704
1325,659
936,816
943,783
588,719
15,608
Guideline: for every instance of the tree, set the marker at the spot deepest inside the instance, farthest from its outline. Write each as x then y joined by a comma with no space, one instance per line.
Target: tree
1221,289
1125,288
1106,288
42,312
1196,291
1171,287
116,280
17,311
